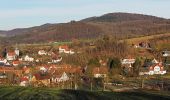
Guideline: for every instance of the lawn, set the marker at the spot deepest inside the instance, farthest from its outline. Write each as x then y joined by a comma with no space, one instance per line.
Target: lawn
28,93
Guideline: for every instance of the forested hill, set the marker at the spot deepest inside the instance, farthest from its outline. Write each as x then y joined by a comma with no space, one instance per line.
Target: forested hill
121,17
117,24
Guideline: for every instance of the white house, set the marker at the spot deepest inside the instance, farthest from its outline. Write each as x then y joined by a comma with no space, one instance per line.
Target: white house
154,69
43,69
24,81
3,61
27,58
166,53
61,78
57,60
65,49
128,61
42,52
37,60
11,56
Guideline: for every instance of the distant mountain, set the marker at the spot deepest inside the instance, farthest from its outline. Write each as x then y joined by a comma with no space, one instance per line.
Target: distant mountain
122,25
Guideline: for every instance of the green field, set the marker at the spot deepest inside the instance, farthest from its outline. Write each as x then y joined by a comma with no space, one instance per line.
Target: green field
27,93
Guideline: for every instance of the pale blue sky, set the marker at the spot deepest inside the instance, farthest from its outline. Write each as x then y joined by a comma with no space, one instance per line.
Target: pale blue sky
27,13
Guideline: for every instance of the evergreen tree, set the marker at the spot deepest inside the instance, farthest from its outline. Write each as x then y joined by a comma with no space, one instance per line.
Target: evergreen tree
136,66
4,53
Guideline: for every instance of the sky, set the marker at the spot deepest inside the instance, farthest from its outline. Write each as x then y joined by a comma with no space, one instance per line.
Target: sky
28,13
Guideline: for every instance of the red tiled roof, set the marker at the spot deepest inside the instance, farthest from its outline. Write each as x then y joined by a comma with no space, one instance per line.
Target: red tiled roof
38,76
15,62
159,64
64,47
24,79
7,68
11,54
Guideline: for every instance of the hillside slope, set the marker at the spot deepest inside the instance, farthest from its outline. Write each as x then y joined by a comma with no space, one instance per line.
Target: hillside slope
122,25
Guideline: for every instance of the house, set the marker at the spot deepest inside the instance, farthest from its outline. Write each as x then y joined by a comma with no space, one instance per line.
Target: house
127,63
15,63
65,49
41,79
166,53
60,77
2,61
3,78
62,49
144,45
135,45
43,69
103,63
11,56
59,59
26,70
157,68
42,52
100,72
24,81
51,53
154,61
11,70
29,59
37,60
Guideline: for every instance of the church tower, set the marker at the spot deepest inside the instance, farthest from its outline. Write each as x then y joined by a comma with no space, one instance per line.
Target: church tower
17,51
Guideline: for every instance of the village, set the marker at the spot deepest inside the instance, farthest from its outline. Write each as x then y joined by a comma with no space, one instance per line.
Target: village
44,69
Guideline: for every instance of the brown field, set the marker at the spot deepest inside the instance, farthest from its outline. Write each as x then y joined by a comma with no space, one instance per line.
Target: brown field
145,38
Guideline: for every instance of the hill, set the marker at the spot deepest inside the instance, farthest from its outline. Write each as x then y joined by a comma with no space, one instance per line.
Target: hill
120,25
27,93
121,17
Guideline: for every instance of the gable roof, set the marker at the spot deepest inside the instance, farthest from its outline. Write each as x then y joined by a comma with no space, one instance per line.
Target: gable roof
64,47
158,64
15,62
154,61
38,76
11,53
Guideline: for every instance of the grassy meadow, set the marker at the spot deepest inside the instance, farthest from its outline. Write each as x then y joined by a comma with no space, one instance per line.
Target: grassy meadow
29,93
